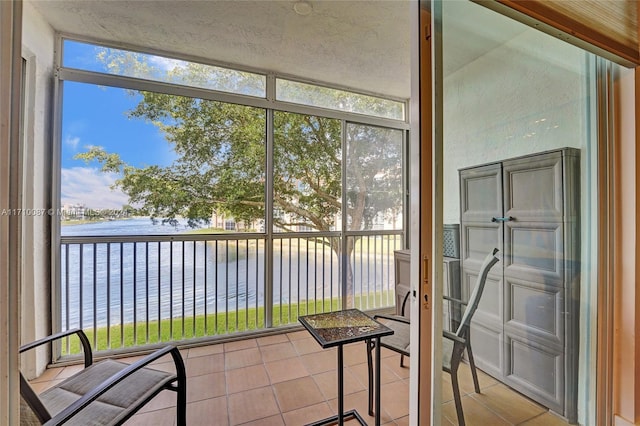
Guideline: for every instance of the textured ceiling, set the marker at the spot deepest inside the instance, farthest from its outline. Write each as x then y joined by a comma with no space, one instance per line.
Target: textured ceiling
360,44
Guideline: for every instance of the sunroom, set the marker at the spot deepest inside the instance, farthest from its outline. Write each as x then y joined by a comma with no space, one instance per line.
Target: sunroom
206,173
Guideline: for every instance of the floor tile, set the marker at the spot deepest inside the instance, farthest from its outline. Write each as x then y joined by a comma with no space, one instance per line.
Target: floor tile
297,393
386,374
355,353
211,411
48,374
278,351
39,387
70,371
307,414
242,358
206,386
286,369
296,335
360,401
240,344
395,399
252,405
474,413
404,421
319,362
394,365
242,379
267,421
165,417
205,350
163,400
204,365
328,383
271,340
546,419
306,346
508,404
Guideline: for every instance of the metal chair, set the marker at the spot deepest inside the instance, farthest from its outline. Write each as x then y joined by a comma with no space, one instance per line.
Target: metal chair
453,344
105,393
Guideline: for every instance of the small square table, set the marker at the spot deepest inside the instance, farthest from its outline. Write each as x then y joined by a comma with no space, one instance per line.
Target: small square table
337,329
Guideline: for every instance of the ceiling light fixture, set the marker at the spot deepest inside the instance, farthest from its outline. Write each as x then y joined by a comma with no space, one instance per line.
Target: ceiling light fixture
302,8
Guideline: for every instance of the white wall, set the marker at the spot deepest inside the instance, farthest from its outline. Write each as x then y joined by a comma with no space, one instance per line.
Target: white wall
38,46
494,107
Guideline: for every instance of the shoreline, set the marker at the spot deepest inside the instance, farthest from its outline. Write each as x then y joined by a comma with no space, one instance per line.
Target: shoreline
91,222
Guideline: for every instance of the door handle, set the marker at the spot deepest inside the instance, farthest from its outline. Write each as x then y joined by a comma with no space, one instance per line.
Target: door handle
502,219
425,282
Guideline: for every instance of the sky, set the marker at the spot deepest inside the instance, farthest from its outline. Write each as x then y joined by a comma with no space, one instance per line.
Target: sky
97,116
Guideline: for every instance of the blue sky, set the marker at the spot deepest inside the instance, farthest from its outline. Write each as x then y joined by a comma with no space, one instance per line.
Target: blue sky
97,116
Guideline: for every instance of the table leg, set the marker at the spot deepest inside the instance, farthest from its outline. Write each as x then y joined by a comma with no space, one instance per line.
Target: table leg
340,387
377,381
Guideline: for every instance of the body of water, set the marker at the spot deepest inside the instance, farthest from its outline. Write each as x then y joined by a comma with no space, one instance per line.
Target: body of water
133,226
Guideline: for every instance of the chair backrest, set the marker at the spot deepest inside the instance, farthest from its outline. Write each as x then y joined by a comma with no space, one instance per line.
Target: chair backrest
476,294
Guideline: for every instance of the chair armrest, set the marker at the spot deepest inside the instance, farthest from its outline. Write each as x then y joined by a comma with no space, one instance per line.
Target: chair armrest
393,318
454,300
449,335
96,392
86,346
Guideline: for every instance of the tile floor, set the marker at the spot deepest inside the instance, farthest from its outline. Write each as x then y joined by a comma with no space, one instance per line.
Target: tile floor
288,379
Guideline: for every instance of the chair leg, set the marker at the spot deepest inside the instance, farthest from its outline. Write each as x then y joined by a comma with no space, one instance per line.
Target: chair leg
456,397
401,360
474,373
181,404
370,346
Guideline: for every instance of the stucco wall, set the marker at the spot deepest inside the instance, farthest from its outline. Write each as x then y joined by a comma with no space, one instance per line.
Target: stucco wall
38,46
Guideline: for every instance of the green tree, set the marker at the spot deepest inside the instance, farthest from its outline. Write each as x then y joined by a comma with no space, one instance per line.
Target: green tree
221,157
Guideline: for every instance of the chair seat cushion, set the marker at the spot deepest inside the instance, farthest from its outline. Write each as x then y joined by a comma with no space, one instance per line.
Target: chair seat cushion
399,340
116,403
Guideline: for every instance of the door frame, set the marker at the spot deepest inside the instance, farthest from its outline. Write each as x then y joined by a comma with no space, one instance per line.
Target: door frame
612,183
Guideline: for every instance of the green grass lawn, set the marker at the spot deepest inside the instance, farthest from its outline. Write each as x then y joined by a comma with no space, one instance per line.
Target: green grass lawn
167,330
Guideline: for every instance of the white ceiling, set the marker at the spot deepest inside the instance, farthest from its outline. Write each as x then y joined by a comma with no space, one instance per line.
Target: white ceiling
360,44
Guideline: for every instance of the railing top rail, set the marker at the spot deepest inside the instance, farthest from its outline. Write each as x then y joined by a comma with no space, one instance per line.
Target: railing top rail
80,239
90,239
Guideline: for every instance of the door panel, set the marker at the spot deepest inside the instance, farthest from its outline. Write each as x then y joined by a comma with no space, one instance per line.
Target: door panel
535,249
533,188
480,193
534,311
479,239
536,370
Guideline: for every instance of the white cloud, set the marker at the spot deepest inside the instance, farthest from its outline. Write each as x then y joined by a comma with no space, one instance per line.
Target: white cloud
167,64
72,142
91,187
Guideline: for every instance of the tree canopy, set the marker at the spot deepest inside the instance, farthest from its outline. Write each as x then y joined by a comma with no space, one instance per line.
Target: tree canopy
221,163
